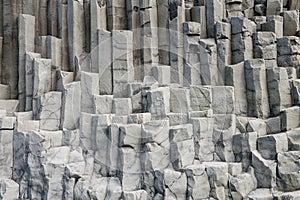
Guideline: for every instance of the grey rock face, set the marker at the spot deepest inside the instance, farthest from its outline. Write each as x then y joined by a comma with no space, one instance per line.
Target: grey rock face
149,99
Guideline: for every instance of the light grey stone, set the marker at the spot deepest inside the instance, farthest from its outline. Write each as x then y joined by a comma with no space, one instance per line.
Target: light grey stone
102,104
197,178
49,110
181,146
201,98
89,84
41,76
26,32
158,102
288,167
179,100
223,100
235,76
192,28
162,74
290,118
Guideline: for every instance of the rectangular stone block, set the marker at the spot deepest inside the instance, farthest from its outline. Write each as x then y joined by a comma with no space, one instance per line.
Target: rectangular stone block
4,91
41,76
121,106
208,62
242,48
290,118
29,67
203,137
197,178
279,90
274,24
198,14
158,102
256,84
163,32
102,104
54,51
201,98
89,87
76,30
191,28
49,110
235,76
223,30
71,106
243,145
224,58
115,10
181,146
104,62
223,100
295,92
122,61
162,74
6,156
26,33
268,146
148,36
290,22
86,138
224,129
191,68
265,45
175,184
98,20
288,45
179,100
214,13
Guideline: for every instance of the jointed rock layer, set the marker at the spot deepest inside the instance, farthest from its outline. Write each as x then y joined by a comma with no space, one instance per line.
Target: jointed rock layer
149,99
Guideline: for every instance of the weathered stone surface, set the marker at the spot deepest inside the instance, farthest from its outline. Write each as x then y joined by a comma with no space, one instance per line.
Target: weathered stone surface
288,167
290,118
269,146
89,85
49,110
257,96
149,99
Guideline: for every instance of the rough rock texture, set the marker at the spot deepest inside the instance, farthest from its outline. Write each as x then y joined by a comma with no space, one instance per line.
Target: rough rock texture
149,99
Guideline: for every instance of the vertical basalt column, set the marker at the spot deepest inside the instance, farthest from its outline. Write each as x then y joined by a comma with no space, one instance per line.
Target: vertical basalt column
42,18
63,33
149,42
11,10
214,13
104,50
98,22
1,36
76,31
163,31
122,62
176,19
133,17
52,18
26,33
116,15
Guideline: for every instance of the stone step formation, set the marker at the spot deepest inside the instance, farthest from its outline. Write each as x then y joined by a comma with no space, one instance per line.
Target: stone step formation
149,99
